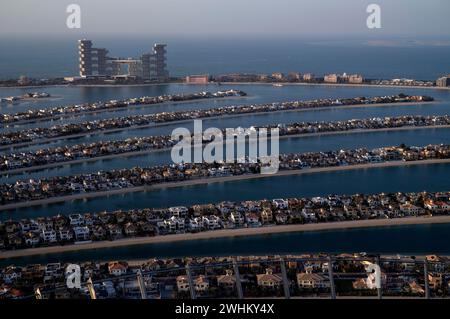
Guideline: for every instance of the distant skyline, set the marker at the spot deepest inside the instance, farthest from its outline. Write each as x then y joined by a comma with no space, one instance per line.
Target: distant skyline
226,18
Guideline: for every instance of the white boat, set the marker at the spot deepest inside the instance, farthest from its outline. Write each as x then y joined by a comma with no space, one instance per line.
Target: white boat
277,85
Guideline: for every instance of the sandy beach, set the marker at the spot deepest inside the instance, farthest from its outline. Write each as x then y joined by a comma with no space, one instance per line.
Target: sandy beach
234,83
336,85
149,151
227,233
137,127
210,180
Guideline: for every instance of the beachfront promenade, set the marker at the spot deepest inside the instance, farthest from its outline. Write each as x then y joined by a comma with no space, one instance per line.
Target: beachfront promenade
13,163
46,235
42,135
103,183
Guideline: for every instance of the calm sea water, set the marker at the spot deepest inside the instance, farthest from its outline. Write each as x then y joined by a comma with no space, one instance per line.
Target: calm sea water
49,57
263,93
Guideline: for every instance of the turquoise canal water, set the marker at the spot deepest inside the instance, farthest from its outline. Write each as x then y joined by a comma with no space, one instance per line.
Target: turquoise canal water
407,240
262,93
261,119
257,94
288,145
410,239
375,180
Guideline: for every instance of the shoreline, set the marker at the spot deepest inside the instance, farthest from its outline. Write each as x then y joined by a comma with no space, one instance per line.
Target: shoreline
150,151
337,85
227,233
31,100
158,124
113,110
233,83
202,181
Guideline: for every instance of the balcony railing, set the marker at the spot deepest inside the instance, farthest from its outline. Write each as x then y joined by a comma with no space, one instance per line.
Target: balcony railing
287,289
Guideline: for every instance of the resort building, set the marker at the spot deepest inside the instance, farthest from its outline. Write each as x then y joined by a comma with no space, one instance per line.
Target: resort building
278,76
294,76
308,77
343,78
158,63
355,79
331,78
443,81
95,62
197,79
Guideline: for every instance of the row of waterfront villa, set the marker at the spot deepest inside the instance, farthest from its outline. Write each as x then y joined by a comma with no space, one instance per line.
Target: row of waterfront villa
63,154
58,111
219,277
54,187
61,229
64,130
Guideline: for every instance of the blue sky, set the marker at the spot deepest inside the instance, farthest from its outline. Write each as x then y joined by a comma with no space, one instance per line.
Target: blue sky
227,18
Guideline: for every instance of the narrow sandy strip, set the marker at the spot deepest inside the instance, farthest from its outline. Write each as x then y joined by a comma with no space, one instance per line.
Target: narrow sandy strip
235,83
351,85
228,233
149,151
210,180
137,127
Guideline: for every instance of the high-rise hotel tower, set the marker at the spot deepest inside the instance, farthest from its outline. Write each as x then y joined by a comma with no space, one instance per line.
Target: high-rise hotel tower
96,62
